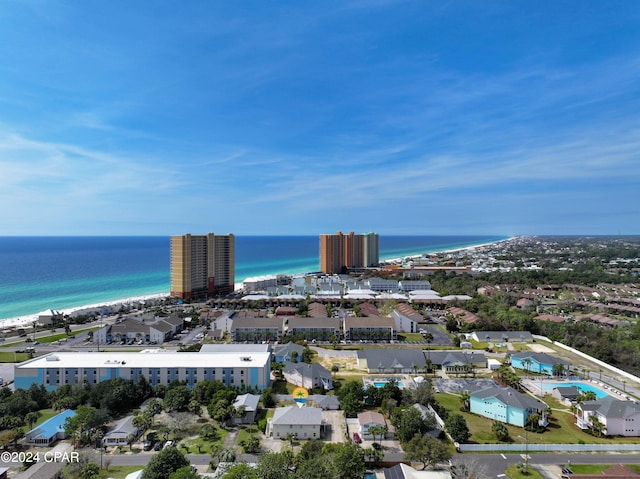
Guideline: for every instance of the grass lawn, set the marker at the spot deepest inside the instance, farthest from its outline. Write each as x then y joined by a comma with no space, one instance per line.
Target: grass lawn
597,468
46,414
561,430
513,473
11,357
245,432
118,472
190,445
410,337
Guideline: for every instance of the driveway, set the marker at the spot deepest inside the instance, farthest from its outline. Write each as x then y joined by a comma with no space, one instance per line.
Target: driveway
335,426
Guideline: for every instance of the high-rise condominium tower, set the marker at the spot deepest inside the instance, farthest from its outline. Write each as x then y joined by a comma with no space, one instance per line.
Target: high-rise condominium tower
341,251
202,265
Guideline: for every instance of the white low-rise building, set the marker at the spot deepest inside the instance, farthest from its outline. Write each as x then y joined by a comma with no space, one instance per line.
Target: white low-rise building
240,369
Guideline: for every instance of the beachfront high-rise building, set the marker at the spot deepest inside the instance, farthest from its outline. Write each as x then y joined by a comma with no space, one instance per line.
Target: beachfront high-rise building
343,251
202,265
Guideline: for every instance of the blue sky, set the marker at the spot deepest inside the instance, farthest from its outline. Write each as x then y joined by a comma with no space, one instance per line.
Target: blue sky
426,117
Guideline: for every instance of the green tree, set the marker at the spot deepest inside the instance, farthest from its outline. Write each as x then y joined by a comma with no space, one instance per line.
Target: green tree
500,431
348,462
32,417
164,463
427,450
408,422
274,465
185,472
241,471
90,471
177,398
457,427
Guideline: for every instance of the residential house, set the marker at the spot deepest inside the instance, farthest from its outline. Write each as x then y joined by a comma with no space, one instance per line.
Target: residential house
403,471
122,433
368,419
324,402
502,336
50,430
303,422
540,363
283,353
457,362
507,405
617,417
391,360
308,376
250,404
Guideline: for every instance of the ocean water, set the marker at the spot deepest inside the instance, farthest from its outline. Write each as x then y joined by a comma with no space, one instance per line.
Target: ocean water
39,273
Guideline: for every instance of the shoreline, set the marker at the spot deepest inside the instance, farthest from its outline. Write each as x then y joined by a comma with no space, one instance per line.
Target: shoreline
29,319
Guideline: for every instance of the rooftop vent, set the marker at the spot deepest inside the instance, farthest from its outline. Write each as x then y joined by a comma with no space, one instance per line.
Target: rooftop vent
245,358
53,357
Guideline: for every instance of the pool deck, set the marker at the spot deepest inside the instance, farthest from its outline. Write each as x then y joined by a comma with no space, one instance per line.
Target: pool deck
406,380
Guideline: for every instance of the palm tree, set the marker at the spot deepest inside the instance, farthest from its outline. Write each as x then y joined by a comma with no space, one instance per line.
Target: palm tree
378,430
597,426
527,364
465,396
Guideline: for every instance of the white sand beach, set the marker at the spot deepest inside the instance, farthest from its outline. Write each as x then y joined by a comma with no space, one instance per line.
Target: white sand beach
28,320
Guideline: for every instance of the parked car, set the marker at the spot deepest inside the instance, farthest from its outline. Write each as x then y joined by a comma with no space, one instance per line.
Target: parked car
169,444
157,446
147,446
356,438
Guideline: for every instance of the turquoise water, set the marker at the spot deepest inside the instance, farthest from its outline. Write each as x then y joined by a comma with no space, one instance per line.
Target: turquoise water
381,384
584,387
40,273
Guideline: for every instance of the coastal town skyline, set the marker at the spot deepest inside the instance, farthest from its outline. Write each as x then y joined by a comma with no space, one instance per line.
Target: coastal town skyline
395,117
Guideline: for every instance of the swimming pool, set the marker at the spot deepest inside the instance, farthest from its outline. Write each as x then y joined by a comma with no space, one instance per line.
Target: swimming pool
584,387
381,384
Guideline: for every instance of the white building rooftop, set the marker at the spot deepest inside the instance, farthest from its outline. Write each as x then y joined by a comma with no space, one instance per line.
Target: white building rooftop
138,360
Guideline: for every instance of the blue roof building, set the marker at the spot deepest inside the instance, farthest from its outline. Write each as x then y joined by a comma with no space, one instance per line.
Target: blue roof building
49,431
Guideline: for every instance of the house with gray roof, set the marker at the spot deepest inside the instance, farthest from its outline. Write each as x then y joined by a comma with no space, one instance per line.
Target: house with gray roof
282,353
324,402
456,362
507,405
121,433
391,360
304,422
250,404
502,336
566,393
50,430
308,375
619,417
541,363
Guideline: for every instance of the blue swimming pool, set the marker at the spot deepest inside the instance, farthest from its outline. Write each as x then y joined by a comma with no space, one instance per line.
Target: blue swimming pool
380,384
369,475
585,387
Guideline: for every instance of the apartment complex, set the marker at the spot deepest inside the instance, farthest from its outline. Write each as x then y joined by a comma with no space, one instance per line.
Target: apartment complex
343,251
242,369
202,265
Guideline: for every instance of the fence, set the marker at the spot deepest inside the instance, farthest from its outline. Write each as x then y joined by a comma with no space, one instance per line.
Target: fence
549,447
